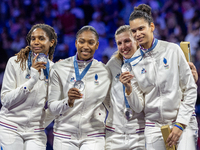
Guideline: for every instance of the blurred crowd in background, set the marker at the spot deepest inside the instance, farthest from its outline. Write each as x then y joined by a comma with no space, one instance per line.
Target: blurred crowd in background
175,21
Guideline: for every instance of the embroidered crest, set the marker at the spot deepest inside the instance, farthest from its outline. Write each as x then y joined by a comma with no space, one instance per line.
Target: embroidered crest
96,78
165,63
143,71
72,79
28,76
117,76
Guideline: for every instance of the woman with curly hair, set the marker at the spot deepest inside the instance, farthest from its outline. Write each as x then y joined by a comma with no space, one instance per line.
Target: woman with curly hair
24,92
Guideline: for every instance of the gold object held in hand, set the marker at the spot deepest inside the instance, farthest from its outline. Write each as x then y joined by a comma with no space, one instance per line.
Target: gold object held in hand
185,46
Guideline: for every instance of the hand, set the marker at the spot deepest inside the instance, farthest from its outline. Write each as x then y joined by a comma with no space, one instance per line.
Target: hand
38,65
194,71
73,94
125,79
174,136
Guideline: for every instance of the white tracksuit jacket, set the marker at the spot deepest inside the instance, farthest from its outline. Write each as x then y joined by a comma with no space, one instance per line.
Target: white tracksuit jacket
116,121
22,99
86,118
163,75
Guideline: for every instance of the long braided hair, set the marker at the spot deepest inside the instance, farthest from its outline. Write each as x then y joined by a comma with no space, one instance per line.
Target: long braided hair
23,54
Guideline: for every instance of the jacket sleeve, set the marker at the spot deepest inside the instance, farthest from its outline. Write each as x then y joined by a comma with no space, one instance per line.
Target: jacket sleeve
11,93
56,104
136,98
188,88
107,99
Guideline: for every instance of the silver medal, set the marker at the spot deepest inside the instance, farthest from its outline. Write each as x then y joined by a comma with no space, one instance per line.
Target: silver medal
41,58
126,67
79,85
128,113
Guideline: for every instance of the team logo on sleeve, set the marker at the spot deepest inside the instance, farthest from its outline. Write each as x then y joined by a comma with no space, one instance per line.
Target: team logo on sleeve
72,79
96,79
143,71
165,63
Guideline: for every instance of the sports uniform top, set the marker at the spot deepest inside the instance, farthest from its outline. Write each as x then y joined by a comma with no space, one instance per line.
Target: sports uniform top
116,121
164,75
23,99
88,113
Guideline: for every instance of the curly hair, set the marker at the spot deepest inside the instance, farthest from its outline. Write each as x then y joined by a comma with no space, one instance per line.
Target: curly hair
22,56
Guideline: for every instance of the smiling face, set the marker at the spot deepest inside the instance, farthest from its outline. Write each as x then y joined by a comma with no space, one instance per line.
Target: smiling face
86,45
40,42
142,32
126,45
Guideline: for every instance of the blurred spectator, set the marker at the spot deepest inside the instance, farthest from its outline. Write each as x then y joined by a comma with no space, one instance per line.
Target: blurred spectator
4,11
88,11
111,49
48,18
128,8
18,43
188,10
68,21
100,27
193,37
98,24
78,12
110,16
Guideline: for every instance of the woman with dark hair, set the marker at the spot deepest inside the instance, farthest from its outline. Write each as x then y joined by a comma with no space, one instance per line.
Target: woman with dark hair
164,76
78,87
24,92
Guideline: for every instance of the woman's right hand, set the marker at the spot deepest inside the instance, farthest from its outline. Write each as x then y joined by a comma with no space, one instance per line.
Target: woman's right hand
73,94
125,79
38,65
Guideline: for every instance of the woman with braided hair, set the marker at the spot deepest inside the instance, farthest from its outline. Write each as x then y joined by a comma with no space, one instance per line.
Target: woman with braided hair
24,92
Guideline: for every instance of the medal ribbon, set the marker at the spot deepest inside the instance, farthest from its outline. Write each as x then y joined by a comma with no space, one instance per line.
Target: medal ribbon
80,76
46,71
155,41
126,101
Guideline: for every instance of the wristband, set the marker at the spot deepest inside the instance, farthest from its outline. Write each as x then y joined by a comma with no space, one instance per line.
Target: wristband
178,127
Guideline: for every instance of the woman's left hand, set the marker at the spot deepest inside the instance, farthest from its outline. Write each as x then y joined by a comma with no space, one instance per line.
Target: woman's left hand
194,71
174,136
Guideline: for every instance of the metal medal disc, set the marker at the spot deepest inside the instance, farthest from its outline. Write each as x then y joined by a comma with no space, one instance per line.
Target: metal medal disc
41,58
126,67
79,85
128,112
